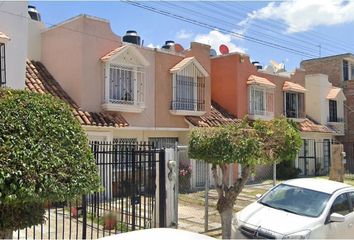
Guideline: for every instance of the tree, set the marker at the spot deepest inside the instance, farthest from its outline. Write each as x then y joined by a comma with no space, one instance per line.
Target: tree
262,143
44,155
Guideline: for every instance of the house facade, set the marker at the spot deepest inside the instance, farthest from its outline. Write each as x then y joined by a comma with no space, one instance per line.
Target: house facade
13,45
245,89
340,71
152,89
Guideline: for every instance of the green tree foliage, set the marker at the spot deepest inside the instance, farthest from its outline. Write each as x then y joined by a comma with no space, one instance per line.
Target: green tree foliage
249,145
44,155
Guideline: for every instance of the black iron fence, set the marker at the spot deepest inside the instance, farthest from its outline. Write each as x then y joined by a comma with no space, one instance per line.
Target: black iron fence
133,196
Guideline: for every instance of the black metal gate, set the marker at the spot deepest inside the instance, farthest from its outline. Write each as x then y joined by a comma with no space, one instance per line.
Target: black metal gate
314,157
133,196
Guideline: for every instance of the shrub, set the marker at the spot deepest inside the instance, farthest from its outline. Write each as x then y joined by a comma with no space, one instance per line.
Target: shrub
44,155
286,170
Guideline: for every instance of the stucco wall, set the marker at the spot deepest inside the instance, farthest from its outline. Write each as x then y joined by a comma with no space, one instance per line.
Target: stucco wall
15,27
35,29
229,83
72,51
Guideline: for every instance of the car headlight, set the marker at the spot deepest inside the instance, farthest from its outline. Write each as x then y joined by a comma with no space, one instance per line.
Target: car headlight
298,235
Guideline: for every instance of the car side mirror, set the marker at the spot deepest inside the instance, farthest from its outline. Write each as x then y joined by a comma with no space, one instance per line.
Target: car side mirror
258,196
336,217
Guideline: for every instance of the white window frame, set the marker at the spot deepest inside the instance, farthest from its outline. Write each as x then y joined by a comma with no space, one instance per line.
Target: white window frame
2,64
260,114
138,103
191,72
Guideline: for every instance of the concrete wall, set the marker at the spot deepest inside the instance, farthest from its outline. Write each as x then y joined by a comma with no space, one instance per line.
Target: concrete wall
14,23
35,29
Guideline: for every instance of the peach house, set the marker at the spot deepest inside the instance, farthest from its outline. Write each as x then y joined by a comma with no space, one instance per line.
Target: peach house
122,91
245,89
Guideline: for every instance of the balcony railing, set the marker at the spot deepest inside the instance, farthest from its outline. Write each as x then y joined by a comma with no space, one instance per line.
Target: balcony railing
188,105
335,119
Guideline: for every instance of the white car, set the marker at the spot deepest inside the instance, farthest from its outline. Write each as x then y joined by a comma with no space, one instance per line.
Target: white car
299,209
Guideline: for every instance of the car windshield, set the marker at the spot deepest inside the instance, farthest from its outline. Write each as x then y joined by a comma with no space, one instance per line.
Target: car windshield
296,200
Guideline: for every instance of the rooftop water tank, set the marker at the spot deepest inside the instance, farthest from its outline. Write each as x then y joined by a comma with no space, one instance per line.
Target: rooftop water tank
131,37
257,65
34,14
169,45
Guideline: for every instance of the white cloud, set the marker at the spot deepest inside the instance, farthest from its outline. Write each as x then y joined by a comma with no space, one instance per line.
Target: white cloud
150,45
183,34
304,15
215,38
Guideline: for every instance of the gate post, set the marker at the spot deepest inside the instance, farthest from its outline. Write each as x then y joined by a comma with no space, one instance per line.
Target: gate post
162,189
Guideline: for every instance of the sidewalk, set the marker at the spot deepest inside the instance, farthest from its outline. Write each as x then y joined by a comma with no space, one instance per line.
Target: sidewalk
191,209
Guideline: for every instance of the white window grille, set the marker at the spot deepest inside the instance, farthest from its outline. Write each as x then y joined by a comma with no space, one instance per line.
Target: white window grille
261,101
126,85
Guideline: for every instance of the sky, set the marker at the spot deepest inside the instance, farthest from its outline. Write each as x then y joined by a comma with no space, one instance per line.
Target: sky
284,31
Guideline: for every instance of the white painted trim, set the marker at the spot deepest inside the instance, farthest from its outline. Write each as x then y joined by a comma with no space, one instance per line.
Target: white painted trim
135,52
123,107
187,113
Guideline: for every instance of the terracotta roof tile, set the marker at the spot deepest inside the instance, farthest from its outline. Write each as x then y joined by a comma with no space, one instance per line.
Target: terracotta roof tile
39,80
252,79
333,93
290,86
308,125
217,117
112,53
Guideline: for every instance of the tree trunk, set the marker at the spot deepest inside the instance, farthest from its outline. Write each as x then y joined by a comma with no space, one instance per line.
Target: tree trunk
6,234
226,220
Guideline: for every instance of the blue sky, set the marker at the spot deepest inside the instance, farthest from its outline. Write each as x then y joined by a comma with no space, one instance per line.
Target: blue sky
298,27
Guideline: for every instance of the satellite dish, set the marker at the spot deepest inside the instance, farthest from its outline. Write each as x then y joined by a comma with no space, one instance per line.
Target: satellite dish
223,49
212,52
178,48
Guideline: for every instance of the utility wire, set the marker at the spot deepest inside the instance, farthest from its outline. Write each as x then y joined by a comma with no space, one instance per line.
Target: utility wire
213,27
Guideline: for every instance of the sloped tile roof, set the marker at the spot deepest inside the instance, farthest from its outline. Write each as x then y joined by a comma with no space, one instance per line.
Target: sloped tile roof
333,93
185,62
217,117
308,125
112,53
290,86
39,80
253,79
4,36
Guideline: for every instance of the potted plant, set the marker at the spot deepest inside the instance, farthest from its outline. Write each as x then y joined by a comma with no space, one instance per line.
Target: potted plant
109,221
75,208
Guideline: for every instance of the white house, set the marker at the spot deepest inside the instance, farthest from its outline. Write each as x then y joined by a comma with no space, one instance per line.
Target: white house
13,43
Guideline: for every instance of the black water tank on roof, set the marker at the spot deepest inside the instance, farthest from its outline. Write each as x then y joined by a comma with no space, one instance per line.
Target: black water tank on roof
33,12
132,37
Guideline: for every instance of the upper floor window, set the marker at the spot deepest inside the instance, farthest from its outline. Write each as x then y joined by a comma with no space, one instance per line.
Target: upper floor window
294,103
261,101
188,95
261,97
348,70
2,65
333,111
124,80
126,84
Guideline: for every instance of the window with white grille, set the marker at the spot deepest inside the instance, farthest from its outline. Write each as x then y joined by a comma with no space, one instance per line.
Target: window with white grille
261,101
188,90
126,84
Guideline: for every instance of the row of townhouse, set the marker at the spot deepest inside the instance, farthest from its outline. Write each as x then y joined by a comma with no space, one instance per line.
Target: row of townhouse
124,92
